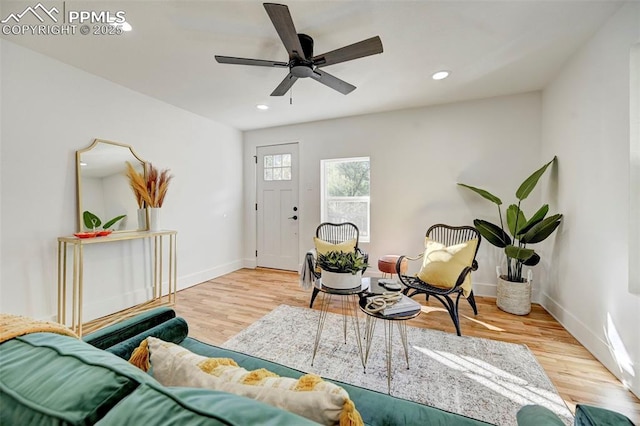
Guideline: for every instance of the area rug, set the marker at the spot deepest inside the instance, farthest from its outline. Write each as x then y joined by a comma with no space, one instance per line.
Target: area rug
479,378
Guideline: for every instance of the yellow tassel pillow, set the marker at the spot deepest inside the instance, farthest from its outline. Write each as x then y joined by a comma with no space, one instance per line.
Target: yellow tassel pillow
442,265
309,396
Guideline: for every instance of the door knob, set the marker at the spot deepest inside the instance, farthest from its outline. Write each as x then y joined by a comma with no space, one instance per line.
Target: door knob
294,217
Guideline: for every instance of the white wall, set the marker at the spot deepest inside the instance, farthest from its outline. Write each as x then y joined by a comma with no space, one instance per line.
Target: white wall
586,122
50,110
417,156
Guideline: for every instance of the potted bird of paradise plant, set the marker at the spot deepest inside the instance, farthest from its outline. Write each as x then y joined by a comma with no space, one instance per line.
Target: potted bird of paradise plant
514,292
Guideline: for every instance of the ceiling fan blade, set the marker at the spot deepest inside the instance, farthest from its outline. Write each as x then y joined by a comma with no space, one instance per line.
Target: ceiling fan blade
281,19
357,50
245,61
333,82
285,85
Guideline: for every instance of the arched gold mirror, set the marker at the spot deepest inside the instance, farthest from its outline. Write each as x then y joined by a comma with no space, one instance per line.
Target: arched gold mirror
103,186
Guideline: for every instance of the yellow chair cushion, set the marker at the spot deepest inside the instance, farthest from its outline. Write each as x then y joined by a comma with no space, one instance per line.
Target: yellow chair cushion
309,396
442,265
323,247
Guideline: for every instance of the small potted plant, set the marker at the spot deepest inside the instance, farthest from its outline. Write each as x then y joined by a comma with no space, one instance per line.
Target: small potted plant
91,222
514,292
342,270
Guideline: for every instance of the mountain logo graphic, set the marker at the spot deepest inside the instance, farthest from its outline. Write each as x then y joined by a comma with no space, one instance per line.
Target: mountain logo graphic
38,11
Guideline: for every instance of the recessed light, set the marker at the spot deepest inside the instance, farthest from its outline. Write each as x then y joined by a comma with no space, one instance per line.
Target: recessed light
262,107
82,163
440,75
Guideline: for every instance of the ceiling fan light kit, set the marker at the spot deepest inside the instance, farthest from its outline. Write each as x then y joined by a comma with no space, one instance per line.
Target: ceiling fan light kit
302,63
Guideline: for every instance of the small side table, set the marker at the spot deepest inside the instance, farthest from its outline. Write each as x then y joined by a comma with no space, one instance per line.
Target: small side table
349,299
400,320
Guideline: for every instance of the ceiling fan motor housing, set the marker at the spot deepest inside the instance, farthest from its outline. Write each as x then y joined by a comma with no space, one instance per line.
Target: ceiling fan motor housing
307,45
303,67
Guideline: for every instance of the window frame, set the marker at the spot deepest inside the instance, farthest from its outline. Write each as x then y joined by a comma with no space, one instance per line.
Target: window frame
365,235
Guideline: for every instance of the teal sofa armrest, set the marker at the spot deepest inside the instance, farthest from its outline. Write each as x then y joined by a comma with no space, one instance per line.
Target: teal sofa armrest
123,330
174,330
537,415
587,415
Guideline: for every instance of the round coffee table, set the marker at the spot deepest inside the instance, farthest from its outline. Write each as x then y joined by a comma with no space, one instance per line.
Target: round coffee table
389,320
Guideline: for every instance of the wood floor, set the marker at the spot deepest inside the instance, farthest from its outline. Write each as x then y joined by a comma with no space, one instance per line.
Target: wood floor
222,307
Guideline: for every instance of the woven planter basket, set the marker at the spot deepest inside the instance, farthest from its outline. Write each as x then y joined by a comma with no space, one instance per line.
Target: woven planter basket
514,297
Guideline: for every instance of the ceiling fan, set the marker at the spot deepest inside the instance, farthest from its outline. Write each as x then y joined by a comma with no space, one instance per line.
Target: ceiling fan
302,63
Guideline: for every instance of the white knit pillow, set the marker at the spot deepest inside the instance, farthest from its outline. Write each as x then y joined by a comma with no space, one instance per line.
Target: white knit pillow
309,396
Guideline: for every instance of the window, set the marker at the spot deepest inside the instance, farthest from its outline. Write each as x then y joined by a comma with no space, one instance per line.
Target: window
277,167
345,190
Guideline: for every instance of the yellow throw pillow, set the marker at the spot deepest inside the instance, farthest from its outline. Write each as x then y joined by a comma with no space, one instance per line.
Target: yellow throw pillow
442,265
309,396
323,247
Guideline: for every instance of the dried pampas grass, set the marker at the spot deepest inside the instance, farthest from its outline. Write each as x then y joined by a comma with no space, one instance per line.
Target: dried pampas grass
152,190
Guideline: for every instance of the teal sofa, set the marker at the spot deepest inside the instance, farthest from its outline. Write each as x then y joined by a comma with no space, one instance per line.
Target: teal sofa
50,379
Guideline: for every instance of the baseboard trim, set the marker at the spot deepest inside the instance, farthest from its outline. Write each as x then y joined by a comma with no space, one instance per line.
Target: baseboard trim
106,306
202,276
485,289
249,263
587,338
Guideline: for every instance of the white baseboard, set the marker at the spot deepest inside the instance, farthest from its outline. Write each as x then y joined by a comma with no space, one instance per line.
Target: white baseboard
250,263
587,338
106,306
485,289
190,280
117,302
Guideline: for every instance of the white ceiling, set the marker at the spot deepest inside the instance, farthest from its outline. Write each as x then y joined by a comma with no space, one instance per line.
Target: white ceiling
493,48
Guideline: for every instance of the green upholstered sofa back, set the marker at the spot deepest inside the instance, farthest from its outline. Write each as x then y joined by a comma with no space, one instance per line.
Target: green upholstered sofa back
50,379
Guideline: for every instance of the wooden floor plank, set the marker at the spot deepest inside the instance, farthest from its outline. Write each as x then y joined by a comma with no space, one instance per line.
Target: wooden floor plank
220,308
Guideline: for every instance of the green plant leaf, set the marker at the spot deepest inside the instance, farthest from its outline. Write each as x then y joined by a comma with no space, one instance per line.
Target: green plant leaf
91,221
112,222
542,230
533,260
519,253
515,215
485,194
536,218
527,186
338,261
492,233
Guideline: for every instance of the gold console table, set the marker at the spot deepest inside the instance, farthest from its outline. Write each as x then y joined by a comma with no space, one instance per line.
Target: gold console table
78,244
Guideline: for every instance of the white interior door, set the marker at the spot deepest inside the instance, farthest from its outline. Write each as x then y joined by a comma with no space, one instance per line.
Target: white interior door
277,206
